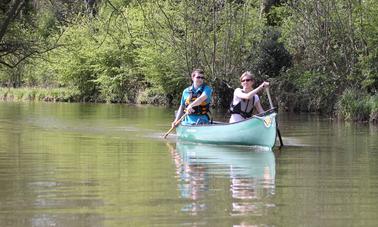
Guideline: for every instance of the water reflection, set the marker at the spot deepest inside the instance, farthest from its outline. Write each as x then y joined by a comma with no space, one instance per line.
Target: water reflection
247,174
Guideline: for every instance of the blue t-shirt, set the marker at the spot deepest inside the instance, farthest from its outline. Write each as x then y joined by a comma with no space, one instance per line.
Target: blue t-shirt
196,118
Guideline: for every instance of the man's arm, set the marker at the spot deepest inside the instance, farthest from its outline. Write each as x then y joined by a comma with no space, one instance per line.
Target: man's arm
197,102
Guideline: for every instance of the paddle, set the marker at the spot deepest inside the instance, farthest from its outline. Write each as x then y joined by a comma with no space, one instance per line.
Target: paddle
271,106
177,123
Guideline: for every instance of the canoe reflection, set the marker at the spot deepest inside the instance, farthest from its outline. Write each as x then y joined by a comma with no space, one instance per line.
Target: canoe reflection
202,168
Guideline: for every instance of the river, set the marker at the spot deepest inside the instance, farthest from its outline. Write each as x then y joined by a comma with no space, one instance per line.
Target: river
64,164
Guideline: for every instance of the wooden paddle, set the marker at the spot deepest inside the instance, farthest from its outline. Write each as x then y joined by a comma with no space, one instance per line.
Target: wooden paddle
177,123
271,106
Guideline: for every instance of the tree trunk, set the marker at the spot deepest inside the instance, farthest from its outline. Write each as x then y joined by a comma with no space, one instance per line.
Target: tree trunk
12,13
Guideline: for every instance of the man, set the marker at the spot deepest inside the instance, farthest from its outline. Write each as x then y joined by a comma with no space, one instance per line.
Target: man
195,100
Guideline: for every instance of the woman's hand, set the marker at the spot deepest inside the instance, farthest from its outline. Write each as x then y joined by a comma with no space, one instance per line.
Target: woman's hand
264,85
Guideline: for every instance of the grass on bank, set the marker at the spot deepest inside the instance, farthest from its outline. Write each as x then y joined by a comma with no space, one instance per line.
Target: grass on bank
355,106
39,94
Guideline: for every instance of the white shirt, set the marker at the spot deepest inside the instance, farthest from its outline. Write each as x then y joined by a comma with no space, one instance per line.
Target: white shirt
235,101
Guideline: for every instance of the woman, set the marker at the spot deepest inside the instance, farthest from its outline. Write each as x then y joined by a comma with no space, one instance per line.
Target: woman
196,100
246,98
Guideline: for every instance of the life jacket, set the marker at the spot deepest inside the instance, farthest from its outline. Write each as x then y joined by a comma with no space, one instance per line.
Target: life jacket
204,107
242,108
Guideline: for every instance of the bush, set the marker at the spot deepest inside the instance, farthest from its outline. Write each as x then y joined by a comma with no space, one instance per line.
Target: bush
352,105
305,90
152,96
374,108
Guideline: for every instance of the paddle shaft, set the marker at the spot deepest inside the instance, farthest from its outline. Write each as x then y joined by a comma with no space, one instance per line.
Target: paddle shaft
269,98
279,134
271,106
177,122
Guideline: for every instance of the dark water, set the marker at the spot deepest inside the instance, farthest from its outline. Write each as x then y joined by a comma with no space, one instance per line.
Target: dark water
107,165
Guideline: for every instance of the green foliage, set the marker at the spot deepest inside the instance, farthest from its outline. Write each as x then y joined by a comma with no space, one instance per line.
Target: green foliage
46,22
25,31
369,71
278,14
307,90
130,47
180,36
334,48
320,37
100,67
367,19
352,105
40,73
373,102
152,96
270,57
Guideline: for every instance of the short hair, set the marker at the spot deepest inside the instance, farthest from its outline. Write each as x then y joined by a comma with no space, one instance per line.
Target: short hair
249,74
199,71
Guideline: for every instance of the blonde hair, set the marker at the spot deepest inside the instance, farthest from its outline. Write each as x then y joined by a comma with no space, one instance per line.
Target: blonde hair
249,74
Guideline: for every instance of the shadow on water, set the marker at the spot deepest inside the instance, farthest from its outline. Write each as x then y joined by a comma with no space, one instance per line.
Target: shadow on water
247,173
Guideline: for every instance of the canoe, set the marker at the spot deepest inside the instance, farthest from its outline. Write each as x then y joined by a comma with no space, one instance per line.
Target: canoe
255,131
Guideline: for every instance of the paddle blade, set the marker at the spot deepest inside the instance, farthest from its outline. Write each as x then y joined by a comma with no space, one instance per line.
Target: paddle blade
169,131
177,123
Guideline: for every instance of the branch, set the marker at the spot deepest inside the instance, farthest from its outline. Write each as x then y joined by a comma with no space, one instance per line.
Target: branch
6,64
25,56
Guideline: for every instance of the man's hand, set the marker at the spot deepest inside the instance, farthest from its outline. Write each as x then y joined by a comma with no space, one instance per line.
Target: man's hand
190,109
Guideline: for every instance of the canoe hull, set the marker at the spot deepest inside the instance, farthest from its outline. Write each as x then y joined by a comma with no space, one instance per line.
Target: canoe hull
256,131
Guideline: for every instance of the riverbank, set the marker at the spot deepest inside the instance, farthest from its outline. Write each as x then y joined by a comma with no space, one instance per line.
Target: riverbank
350,107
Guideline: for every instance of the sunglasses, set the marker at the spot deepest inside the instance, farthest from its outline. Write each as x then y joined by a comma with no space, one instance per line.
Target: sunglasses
200,77
246,80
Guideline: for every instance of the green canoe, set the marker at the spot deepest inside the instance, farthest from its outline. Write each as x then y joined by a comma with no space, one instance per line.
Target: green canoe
255,131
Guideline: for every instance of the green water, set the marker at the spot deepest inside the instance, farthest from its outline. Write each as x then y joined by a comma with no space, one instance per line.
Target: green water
107,165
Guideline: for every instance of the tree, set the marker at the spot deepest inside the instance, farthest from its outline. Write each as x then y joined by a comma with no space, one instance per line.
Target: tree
31,28
183,35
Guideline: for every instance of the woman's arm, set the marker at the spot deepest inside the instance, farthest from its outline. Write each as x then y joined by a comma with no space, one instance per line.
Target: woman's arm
259,107
250,94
